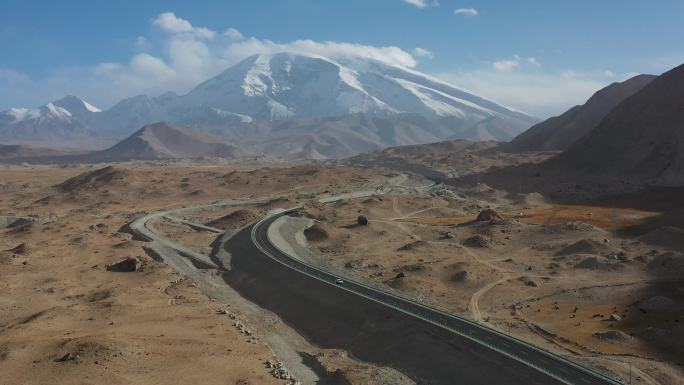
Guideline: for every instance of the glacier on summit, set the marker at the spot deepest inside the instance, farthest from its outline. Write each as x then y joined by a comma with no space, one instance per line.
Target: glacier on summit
263,91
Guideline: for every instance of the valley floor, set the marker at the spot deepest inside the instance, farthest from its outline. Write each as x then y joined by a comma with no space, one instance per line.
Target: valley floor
600,283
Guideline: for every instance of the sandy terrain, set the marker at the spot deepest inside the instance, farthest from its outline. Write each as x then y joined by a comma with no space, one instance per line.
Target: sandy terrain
448,159
144,327
553,274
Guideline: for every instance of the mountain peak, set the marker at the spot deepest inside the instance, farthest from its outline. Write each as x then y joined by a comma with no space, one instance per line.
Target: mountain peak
75,104
288,85
282,85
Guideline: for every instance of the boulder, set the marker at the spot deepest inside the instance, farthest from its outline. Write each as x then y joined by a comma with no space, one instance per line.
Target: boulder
125,265
589,263
476,241
528,281
21,248
362,220
489,215
461,276
611,335
316,233
67,357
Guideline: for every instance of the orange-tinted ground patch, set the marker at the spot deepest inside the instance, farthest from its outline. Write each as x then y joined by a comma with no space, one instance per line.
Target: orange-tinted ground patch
607,218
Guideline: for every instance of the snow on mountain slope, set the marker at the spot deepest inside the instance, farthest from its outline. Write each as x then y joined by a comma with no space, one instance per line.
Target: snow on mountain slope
249,100
46,122
284,85
76,105
281,86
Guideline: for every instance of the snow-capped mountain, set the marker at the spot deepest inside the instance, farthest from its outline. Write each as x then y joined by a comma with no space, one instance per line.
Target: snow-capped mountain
62,119
251,99
285,85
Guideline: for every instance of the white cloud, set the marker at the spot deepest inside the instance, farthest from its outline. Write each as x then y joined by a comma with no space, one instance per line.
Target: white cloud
514,63
539,94
466,11
507,64
422,52
335,50
170,23
609,73
423,3
185,56
233,34
12,77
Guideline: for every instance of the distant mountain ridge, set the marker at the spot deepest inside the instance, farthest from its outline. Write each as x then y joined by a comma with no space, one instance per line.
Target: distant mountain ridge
256,95
51,121
642,138
638,145
560,132
157,141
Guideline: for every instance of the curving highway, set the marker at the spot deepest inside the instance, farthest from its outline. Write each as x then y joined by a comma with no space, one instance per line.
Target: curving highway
554,366
557,368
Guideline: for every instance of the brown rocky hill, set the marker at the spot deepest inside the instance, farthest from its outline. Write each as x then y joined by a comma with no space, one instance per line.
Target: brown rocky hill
162,141
560,132
93,180
642,138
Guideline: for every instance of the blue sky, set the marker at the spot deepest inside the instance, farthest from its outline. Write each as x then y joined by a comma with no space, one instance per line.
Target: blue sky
538,56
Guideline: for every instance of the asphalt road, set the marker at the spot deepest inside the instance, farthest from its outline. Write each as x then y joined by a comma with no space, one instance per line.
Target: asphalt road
549,364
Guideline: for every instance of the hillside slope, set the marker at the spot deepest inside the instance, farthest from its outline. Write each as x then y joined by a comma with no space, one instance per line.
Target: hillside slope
643,137
162,141
560,132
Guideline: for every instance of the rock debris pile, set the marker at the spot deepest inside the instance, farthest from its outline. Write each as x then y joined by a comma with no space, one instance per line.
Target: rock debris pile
279,371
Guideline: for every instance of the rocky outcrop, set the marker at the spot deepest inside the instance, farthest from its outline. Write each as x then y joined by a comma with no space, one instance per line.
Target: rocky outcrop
476,241
93,179
125,265
489,215
316,233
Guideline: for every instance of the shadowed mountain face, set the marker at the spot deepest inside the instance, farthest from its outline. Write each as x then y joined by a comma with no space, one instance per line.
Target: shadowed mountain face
643,137
560,132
